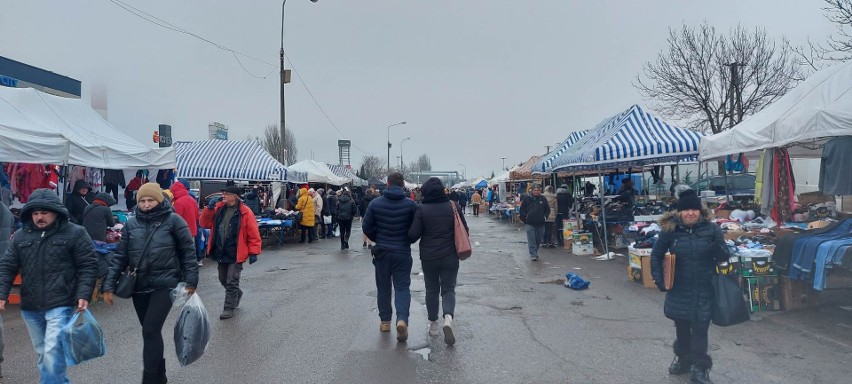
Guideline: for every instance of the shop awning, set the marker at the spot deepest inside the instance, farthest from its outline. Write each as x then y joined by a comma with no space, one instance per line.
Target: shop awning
230,160
631,138
344,172
545,164
318,172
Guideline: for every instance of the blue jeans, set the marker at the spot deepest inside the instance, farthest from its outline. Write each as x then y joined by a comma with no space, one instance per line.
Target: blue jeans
393,271
44,328
535,236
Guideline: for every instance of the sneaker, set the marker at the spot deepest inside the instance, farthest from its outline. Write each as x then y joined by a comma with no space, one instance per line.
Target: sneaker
226,314
449,337
401,330
534,258
433,328
364,245
200,263
384,326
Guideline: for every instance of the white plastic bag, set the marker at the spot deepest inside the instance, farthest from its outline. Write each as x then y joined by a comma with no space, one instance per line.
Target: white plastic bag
192,331
326,219
179,295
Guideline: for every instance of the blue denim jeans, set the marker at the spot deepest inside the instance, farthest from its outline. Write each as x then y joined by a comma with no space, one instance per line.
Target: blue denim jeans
44,328
535,236
393,271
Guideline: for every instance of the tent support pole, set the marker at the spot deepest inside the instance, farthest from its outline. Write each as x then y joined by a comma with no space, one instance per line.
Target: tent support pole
603,213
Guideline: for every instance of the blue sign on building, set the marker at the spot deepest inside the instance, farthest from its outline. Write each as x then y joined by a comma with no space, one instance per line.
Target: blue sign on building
7,81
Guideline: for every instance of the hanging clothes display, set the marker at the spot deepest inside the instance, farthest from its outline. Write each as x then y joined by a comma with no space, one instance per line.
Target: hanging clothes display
835,174
785,187
813,253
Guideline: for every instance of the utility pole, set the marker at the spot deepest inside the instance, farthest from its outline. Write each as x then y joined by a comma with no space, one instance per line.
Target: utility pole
285,78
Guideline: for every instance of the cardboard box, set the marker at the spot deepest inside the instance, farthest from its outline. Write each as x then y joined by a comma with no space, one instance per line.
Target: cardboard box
568,244
796,294
755,266
583,249
582,238
762,293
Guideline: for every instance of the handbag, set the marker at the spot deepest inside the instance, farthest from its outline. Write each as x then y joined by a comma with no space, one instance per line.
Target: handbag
729,307
127,279
460,235
669,261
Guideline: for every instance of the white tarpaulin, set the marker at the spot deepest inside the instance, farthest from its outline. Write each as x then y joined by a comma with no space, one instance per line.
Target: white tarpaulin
28,114
318,173
818,108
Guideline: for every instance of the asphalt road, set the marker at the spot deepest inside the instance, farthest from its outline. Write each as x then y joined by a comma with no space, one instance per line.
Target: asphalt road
309,316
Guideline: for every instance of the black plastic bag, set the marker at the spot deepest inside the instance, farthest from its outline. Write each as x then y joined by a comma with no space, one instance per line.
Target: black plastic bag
192,331
730,307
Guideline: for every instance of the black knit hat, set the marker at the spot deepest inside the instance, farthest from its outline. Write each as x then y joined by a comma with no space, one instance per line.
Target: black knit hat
688,200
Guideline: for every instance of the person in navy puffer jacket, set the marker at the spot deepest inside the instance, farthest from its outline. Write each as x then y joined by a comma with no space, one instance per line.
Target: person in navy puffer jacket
386,223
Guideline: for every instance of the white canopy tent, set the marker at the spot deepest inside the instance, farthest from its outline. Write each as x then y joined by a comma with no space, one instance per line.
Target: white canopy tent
818,108
40,121
318,173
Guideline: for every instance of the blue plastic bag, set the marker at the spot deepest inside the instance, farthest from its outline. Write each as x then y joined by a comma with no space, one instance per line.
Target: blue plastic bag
192,331
82,338
576,282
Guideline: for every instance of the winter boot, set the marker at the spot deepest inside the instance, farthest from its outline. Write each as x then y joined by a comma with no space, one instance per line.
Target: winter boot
681,362
162,372
700,371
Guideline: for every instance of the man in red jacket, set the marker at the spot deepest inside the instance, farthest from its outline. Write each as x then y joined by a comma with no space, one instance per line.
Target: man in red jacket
187,208
234,238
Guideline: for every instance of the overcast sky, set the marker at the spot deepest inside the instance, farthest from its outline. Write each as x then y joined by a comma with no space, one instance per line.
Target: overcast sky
476,80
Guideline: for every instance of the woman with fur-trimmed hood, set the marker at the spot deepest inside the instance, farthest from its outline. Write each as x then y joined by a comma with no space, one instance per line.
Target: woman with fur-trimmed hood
698,245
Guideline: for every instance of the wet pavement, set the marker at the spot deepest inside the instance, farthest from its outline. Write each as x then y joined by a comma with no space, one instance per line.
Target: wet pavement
309,316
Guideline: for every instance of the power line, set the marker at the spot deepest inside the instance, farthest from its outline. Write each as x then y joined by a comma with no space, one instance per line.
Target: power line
167,25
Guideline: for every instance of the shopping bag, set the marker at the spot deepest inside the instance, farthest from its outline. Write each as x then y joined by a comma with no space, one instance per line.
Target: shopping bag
82,338
326,219
460,235
192,331
730,307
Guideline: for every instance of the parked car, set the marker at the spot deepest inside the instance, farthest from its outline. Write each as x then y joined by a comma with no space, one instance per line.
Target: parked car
738,185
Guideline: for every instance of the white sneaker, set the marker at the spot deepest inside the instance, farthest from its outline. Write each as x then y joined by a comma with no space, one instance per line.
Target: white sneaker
433,328
200,263
449,337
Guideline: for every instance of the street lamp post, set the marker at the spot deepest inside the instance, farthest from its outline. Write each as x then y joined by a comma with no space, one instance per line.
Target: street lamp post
285,78
504,163
400,152
389,143
464,175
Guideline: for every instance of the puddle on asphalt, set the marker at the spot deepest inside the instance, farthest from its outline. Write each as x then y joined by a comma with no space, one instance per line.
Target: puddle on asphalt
424,352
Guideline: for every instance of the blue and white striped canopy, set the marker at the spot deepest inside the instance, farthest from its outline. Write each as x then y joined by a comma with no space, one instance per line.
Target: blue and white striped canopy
631,138
344,172
545,164
229,160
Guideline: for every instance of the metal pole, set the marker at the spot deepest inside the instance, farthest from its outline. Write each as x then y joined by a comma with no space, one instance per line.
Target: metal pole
603,213
281,60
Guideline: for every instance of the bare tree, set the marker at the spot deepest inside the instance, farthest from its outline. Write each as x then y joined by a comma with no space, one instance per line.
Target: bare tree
424,163
838,46
690,81
372,166
272,143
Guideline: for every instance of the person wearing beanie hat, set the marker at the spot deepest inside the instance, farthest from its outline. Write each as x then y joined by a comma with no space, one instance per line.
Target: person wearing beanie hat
698,244
151,190
157,243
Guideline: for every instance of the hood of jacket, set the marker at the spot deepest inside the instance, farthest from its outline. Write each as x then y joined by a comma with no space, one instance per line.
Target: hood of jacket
43,199
561,190
179,190
671,220
394,193
303,192
344,199
81,184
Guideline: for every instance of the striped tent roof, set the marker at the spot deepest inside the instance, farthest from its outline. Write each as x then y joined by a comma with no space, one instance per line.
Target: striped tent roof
344,172
230,160
525,170
630,138
546,162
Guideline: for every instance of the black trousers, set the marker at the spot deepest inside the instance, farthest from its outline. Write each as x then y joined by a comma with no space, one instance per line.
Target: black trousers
309,232
560,228
439,277
152,310
345,230
476,209
112,188
692,342
548,232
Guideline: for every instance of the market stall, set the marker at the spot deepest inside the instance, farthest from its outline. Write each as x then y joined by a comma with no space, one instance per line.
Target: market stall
345,172
318,172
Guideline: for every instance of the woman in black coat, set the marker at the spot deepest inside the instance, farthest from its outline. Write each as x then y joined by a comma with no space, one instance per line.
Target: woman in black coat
157,241
434,226
698,245
344,213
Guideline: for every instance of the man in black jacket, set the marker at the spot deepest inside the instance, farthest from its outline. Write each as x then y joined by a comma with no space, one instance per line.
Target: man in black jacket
7,225
534,210
58,269
386,223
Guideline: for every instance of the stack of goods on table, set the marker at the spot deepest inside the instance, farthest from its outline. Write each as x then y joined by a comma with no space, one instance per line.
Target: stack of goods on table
639,252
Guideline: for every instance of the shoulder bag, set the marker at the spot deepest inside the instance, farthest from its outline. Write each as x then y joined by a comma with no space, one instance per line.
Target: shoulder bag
461,236
127,279
669,270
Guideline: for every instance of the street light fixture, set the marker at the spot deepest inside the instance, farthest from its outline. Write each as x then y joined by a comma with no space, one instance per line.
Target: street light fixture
400,152
504,163
465,171
389,143
285,78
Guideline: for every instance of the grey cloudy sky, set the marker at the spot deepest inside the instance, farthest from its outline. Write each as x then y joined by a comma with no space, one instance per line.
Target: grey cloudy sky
476,80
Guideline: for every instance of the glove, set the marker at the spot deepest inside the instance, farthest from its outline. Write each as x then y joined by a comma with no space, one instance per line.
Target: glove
211,204
252,259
